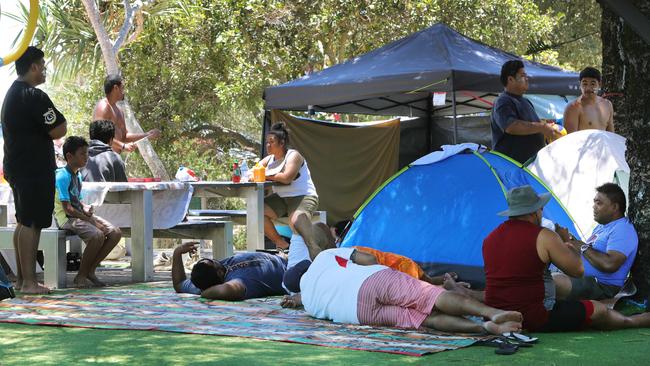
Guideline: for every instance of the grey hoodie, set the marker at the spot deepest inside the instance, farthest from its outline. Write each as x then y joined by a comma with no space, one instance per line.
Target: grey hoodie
104,164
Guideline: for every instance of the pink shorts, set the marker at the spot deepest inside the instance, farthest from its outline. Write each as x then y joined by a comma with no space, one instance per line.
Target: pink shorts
392,298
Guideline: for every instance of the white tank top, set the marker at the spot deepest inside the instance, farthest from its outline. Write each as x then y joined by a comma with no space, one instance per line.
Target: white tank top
301,186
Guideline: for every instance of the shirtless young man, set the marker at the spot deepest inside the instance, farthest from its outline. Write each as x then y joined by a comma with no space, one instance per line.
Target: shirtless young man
107,109
589,111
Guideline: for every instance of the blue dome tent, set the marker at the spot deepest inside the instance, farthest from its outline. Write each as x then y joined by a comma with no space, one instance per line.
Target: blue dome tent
438,209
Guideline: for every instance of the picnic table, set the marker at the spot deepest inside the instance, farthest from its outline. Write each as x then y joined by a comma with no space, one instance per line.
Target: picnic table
142,207
253,193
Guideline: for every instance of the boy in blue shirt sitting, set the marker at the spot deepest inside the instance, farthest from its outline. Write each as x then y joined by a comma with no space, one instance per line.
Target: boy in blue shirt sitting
72,215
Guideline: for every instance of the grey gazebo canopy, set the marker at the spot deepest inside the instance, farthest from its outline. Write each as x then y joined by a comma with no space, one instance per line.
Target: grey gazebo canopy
399,79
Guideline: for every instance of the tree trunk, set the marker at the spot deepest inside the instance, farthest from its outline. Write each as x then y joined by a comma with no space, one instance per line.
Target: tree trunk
626,70
110,60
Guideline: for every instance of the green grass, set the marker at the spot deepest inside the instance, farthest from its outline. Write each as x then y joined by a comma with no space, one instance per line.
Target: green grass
43,345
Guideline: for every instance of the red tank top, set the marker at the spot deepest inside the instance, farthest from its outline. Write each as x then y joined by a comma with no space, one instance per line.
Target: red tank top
514,274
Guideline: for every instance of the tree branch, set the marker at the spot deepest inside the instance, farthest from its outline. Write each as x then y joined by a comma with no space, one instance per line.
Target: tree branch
127,25
242,140
139,27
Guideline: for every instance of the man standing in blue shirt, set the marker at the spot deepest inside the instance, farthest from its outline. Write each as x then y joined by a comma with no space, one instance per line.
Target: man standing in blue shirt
607,255
516,129
239,277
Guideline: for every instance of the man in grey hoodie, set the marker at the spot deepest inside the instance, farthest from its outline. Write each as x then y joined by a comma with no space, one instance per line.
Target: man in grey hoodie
104,164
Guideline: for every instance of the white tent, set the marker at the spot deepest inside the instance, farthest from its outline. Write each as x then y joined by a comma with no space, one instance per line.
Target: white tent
574,165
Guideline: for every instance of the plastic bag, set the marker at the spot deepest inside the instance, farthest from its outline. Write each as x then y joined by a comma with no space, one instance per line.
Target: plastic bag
184,174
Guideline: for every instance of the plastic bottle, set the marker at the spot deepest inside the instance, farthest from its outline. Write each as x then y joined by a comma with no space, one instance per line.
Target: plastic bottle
244,171
236,173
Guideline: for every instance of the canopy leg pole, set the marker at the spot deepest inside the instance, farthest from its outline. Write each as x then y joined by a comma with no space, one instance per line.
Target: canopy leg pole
453,105
430,122
266,124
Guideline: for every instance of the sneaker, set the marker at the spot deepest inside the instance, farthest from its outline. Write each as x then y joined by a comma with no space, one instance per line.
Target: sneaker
163,259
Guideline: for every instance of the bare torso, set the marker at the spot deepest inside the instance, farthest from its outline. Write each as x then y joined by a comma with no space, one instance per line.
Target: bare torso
596,114
104,110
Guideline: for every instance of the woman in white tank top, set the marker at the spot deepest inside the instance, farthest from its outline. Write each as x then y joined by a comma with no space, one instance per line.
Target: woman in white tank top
296,197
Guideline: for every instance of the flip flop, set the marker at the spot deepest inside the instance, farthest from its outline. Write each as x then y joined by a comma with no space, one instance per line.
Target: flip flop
520,337
504,347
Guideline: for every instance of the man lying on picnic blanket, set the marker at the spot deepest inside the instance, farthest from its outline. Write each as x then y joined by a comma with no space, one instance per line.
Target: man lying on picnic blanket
326,238
239,277
335,287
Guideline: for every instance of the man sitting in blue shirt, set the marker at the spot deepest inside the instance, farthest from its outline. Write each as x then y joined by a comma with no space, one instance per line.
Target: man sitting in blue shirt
239,277
607,255
516,128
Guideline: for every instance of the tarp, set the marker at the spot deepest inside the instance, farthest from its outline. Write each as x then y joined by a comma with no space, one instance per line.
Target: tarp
438,214
574,165
397,79
346,163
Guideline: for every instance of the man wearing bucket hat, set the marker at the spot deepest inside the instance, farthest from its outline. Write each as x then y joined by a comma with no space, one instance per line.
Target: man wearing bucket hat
515,256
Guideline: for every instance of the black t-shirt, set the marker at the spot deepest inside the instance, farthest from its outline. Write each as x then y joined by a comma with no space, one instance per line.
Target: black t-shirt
28,115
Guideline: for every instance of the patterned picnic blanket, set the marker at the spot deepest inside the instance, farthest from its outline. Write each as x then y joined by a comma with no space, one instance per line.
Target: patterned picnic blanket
155,306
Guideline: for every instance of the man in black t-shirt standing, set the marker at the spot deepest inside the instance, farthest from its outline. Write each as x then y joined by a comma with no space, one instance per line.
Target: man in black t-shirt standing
516,129
29,124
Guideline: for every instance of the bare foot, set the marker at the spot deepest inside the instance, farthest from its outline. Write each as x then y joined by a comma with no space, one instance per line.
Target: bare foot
18,285
83,282
93,278
500,328
507,316
449,283
34,289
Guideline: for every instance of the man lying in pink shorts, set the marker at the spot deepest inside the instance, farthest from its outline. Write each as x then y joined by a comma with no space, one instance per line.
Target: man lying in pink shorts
334,287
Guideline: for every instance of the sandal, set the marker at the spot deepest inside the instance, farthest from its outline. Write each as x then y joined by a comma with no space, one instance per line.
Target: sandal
504,347
520,338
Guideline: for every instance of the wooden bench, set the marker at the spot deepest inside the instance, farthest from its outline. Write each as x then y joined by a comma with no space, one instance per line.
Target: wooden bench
219,232
53,245
239,216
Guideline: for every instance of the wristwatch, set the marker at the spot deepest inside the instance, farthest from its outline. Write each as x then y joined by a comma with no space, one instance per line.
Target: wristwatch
584,248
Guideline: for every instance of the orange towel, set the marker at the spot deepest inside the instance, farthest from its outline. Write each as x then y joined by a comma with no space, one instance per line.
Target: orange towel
395,261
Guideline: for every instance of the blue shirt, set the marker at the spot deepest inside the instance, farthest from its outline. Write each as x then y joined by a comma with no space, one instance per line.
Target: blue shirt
618,235
68,189
261,274
508,108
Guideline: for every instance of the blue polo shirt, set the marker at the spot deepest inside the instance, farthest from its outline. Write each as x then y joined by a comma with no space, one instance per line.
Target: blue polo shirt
618,235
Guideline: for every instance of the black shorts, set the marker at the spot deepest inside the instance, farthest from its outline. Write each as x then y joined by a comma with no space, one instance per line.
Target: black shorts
568,316
588,287
34,200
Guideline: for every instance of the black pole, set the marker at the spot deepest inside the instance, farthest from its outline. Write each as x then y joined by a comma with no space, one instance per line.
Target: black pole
429,122
453,105
266,124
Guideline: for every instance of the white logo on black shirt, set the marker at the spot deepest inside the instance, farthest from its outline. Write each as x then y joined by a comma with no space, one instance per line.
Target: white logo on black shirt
50,116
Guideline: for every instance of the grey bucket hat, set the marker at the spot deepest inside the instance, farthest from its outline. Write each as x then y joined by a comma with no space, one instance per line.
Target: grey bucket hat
524,200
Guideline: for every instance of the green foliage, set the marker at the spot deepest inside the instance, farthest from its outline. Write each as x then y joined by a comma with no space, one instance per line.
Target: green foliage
199,68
